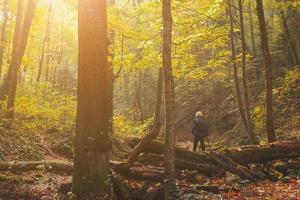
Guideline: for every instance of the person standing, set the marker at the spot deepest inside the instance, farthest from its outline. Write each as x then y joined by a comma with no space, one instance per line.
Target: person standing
200,130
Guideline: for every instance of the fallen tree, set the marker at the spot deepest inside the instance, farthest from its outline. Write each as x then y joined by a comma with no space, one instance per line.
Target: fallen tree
204,169
144,142
149,165
56,166
234,160
138,171
242,155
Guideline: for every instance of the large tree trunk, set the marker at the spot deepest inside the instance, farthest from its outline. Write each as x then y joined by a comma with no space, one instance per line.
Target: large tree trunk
46,39
3,33
244,75
235,70
17,56
268,72
170,184
92,142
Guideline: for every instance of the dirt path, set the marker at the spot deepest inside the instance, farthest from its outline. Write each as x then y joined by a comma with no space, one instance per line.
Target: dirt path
49,153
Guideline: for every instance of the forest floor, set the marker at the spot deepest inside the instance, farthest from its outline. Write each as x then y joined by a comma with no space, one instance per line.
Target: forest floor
44,185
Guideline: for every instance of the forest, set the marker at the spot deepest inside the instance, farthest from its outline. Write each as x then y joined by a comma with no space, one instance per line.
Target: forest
150,99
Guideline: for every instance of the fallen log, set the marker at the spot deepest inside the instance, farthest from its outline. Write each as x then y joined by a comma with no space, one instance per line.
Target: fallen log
157,147
58,166
138,172
262,153
242,155
121,190
144,142
204,169
232,159
229,165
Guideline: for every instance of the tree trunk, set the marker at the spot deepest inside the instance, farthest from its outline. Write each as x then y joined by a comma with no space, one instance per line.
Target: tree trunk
235,70
3,33
139,95
44,44
253,43
244,75
290,43
60,56
268,72
92,142
15,48
111,75
158,96
145,83
17,56
170,183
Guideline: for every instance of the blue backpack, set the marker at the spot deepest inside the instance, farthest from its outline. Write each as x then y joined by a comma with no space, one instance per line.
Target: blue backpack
200,127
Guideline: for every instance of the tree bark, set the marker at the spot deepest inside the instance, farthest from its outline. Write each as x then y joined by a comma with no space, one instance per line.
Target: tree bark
268,72
17,56
235,70
170,183
244,75
92,142
3,33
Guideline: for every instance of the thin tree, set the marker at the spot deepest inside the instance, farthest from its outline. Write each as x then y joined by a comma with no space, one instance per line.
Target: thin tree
15,48
268,71
158,97
244,75
252,36
92,143
290,43
17,55
45,41
111,70
170,183
3,33
235,70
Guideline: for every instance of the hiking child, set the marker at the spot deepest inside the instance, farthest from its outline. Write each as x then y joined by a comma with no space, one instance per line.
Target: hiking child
200,130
